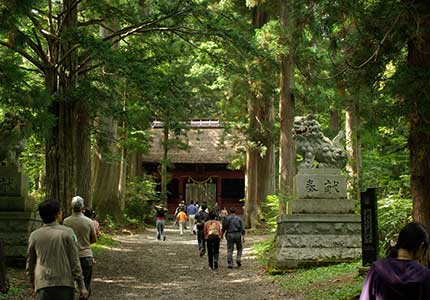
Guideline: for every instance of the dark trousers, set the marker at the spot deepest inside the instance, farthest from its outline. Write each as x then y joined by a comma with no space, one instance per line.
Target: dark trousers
234,238
87,272
56,293
213,251
201,239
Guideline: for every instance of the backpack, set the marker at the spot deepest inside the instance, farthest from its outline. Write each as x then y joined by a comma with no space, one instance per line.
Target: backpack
213,228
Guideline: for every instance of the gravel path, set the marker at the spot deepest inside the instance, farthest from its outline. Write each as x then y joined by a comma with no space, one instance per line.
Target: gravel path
143,268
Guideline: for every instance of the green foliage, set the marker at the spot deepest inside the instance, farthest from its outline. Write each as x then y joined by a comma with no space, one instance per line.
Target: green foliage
140,199
270,209
104,242
336,282
394,212
262,251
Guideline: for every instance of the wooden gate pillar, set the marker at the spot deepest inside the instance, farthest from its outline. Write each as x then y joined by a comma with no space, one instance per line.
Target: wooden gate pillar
219,191
181,188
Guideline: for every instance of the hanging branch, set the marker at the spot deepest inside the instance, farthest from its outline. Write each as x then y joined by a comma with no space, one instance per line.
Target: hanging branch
22,52
130,30
378,48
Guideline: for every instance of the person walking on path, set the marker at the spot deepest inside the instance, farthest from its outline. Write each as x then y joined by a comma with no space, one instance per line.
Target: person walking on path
4,279
234,232
181,206
401,276
160,222
86,235
191,211
201,217
216,210
53,257
213,235
182,219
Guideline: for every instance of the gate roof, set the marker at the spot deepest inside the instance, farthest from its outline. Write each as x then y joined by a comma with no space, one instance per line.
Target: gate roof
206,145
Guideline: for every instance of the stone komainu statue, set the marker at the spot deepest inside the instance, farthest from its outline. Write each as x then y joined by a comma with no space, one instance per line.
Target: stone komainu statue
314,146
12,138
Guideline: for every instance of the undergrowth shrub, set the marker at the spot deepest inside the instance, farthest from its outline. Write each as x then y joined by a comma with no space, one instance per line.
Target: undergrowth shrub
140,200
394,212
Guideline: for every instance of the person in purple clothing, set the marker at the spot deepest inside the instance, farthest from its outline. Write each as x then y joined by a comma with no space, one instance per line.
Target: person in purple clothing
401,276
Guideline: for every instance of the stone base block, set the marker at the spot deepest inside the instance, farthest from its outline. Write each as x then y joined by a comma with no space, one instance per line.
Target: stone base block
318,239
322,206
15,228
15,203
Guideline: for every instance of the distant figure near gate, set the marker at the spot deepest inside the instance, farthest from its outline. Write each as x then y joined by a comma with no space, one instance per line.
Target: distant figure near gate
160,222
191,211
401,276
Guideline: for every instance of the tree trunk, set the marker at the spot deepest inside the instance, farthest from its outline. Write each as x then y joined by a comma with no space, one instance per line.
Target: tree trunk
260,112
63,162
287,152
83,154
107,159
106,169
164,161
419,115
352,128
252,213
334,122
266,160
135,164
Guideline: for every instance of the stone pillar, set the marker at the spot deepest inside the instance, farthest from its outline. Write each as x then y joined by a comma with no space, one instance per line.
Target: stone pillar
17,216
322,227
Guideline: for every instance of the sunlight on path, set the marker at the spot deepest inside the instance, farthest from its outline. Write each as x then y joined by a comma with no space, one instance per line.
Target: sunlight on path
142,267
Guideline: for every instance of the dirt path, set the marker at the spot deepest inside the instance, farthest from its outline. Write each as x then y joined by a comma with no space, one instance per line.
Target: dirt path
143,268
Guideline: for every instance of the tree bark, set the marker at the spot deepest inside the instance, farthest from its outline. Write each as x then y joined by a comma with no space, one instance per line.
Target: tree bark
135,164
352,128
68,143
334,121
287,152
419,114
106,169
164,161
107,159
259,171
266,160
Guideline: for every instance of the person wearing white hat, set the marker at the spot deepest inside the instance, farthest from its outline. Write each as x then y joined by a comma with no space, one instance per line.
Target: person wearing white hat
86,235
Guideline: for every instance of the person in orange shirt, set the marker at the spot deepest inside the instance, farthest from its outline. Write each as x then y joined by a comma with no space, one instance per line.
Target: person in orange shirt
213,235
182,219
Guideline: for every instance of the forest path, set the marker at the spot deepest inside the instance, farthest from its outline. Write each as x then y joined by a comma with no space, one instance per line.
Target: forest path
143,268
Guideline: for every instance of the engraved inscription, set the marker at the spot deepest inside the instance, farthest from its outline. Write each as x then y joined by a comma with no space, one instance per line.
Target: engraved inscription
330,186
7,184
311,186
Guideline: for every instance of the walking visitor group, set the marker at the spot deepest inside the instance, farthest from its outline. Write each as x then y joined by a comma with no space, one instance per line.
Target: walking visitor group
210,226
60,259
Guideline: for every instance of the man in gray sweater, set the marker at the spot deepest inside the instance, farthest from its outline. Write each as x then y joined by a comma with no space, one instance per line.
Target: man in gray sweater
86,235
52,257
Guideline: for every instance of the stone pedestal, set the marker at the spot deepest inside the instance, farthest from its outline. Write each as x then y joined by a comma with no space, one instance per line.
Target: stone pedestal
17,216
321,227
